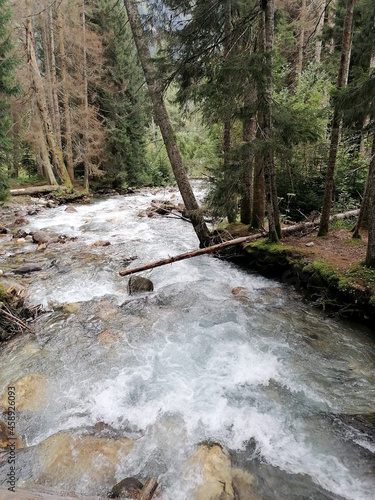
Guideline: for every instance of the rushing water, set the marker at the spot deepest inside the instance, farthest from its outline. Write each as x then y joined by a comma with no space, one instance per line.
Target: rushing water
260,372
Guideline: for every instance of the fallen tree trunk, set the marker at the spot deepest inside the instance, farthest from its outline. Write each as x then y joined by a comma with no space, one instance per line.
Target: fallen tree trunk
37,190
286,231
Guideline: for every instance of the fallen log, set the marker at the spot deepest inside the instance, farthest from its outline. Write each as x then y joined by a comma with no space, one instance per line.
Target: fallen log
286,231
37,190
148,489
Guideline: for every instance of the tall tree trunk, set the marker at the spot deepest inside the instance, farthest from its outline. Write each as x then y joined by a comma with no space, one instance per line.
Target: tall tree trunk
301,40
331,24
335,133
232,211
367,119
43,151
162,119
42,103
370,256
55,98
65,97
319,30
366,195
248,135
85,100
268,7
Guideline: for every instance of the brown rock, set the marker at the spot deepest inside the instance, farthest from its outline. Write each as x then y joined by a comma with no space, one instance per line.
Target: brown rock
129,487
109,336
21,222
244,485
239,290
137,284
31,393
214,465
101,243
70,209
70,457
6,439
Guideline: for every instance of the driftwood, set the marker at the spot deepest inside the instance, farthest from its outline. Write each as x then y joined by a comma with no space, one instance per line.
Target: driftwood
286,231
148,489
37,190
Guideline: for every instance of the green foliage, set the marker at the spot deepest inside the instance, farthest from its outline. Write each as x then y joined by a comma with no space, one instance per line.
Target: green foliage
8,88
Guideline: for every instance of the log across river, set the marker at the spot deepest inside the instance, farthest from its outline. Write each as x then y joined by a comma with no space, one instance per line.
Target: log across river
112,386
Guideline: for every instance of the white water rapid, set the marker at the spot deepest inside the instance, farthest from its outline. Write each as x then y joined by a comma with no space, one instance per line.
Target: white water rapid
261,373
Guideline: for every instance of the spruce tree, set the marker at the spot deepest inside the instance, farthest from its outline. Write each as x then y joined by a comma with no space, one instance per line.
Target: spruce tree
8,63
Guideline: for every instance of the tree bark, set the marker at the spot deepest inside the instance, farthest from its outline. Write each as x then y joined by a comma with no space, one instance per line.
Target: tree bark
272,206
367,193
148,489
85,99
37,190
370,255
301,40
65,97
249,133
319,30
42,103
335,133
44,156
162,119
55,99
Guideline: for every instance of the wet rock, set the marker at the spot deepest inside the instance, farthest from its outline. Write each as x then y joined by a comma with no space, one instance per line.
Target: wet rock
243,485
109,336
31,393
107,310
310,244
71,308
70,209
44,237
129,487
213,464
33,211
238,290
21,221
29,237
138,284
6,439
101,243
28,268
21,233
21,241
68,458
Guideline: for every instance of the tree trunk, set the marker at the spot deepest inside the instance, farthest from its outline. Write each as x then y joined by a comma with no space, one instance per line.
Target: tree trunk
42,103
370,256
301,40
65,97
86,100
335,133
272,206
55,99
44,156
319,30
331,24
162,119
366,195
367,119
249,133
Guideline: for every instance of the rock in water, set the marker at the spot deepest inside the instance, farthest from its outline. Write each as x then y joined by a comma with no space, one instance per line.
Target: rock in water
129,487
137,284
28,268
44,237
70,209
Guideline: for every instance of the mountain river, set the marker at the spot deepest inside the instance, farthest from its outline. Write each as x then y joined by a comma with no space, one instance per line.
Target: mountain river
131,385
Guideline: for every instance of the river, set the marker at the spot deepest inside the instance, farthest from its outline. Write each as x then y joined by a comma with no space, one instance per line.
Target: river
268,377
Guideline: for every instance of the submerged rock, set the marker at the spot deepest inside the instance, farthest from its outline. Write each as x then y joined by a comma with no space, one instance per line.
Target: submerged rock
68,458
243,485
214,465
138,284
70,209
28,268
109,336
6,439
101,243
129,487
31,393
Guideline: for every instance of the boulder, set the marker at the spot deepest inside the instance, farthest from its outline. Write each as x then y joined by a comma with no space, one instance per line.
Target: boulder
31,393
70,209
212,463
129,487
244,485
45,237
21,221
6,439
138,284
28,268
68,458
101,243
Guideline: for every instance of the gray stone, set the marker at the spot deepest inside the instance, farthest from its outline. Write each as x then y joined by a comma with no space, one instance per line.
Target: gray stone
70,209
44,237
137,284
28,268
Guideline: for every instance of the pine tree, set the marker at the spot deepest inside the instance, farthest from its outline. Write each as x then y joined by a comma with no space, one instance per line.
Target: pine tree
8,63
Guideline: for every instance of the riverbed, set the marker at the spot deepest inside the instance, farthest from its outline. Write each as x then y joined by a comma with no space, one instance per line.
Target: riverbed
215,354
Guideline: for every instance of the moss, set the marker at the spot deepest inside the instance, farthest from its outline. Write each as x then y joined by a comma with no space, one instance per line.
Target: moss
354,242
2,291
